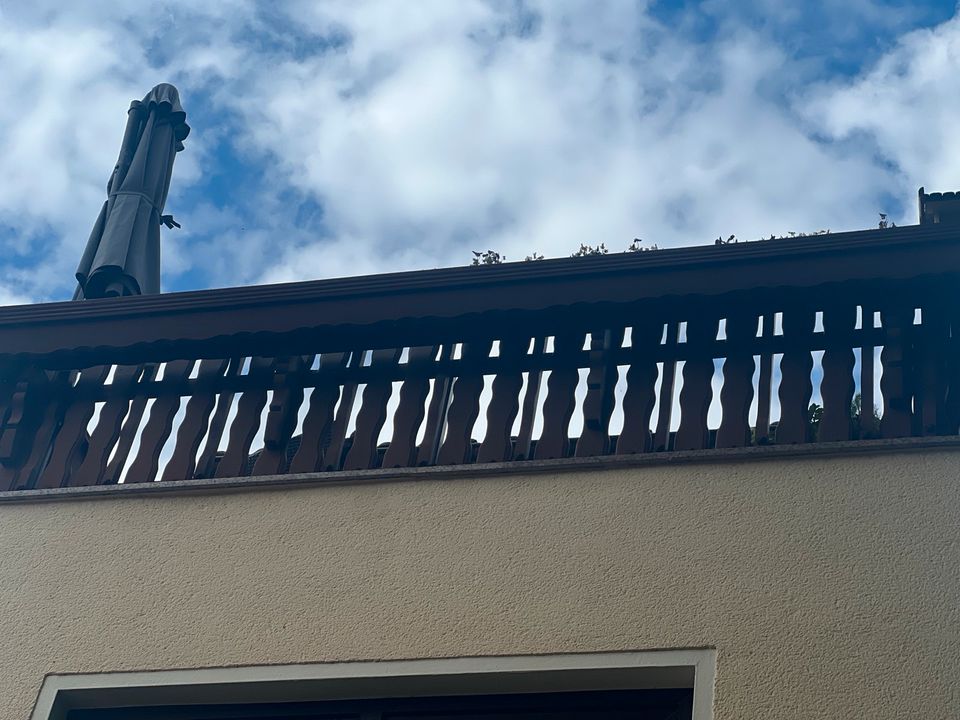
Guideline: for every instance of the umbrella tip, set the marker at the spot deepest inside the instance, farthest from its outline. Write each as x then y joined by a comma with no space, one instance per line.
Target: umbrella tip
161,92
167,96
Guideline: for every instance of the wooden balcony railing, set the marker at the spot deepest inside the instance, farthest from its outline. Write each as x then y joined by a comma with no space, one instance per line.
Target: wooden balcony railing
689,349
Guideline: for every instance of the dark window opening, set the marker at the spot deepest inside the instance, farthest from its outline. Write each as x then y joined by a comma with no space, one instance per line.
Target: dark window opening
673,704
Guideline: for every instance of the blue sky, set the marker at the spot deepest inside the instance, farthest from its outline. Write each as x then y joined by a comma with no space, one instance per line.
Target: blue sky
338,138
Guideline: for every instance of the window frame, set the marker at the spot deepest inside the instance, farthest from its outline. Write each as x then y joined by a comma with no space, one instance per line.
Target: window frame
490,675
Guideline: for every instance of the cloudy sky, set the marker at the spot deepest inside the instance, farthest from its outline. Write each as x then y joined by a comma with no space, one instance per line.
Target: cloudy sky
337,138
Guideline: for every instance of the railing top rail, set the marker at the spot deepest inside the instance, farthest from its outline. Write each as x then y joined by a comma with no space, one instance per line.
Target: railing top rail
378,300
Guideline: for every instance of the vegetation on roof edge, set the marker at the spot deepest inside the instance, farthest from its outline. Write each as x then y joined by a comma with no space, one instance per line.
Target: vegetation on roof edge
492,257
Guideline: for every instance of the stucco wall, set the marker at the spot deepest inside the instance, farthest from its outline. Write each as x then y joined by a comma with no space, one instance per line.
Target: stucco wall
828,585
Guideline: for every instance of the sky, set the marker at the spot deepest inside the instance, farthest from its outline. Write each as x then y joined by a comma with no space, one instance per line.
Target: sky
342,138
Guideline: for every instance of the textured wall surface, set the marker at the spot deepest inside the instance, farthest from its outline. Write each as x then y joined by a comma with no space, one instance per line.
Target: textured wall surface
829,586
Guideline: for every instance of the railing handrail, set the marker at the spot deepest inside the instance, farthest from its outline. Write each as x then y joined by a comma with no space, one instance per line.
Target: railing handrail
753,270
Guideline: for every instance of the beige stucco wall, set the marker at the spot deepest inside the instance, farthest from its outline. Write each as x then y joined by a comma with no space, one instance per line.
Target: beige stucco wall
829,586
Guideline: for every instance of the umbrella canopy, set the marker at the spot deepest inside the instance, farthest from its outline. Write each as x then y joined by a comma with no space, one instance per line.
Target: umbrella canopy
122,256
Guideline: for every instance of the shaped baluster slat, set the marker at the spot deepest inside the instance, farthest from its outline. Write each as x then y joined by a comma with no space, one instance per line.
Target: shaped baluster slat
868,425
951,410
318,423
56,394
372,415
765,384
247,421
932,343
661,438
599,401
640,397
338,431
697,392
130,429
71,441
160,423
795,384
497,445
8,391
182,464
436,413
738,368
464,408
896,384
23,414
206,463
16,419
561,400
282,415
837,386
528,413
402,451
92,470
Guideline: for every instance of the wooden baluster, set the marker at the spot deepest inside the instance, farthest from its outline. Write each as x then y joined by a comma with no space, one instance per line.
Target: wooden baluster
837,386
599,400
236,459
373,413
21,419
9,377
160,423
765,384
457,448
737,392
436,413
282,415
206,463
92,470
319,419
896,382
697,392
13,421
932,352
528,413
402,451
55,398
8,385
71,441
183,463
641,396
661,437
561,399
497,444
951,410
868,426
131,425
795,384
338,431
26,421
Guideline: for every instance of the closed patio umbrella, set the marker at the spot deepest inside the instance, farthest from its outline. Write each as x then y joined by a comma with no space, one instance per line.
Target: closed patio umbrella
122,256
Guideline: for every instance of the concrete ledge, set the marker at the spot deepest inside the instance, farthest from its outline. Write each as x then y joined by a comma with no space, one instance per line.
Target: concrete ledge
850,448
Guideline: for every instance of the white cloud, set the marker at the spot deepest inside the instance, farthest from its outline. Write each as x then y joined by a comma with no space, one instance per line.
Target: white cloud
472,131
905,108
409,134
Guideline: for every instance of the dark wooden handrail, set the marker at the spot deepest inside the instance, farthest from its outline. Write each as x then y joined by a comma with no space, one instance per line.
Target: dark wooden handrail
490,364
238,319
